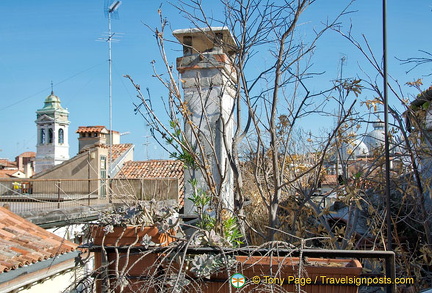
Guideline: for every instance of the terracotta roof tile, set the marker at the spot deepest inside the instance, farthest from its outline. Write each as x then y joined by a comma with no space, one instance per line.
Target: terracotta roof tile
8,164
119,149
28,154
23,243
152,169
7,173
97,128
116,149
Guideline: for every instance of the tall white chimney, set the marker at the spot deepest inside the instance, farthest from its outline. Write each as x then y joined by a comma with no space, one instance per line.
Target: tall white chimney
208,83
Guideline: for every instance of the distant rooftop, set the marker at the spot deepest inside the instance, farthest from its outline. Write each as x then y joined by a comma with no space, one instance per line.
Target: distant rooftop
5,163
28,154
155,169
116,149
7,173
152,169
98,129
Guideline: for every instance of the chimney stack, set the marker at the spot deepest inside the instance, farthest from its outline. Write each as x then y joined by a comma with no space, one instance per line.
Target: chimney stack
208,80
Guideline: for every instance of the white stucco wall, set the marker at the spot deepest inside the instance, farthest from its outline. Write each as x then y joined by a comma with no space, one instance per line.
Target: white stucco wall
57,284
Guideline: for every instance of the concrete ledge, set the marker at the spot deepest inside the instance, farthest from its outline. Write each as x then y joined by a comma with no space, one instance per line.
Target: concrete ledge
202,61
57,217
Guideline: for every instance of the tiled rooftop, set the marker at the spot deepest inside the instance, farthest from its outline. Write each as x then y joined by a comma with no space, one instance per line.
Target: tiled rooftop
119,149
7,164
155,169
28,155
24,243
97,129
7,173
86,129
152,169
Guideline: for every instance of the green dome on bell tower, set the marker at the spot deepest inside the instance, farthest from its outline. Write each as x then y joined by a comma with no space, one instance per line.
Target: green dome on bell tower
52,102
52,107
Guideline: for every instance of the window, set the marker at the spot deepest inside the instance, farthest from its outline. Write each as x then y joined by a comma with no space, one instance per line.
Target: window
103,160
42,136
50,135
61,136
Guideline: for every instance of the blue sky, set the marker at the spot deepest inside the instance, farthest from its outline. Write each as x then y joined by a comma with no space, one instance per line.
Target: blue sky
51,40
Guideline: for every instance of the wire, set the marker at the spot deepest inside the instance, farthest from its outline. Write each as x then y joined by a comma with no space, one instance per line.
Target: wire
45,89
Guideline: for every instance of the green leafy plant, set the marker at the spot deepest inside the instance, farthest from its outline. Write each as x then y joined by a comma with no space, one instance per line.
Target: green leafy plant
231,231
176,140
217,229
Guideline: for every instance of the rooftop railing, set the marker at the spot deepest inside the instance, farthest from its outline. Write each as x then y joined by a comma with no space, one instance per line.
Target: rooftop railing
23,195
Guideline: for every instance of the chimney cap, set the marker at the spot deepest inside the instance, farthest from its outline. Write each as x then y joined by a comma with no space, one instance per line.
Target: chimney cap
205,39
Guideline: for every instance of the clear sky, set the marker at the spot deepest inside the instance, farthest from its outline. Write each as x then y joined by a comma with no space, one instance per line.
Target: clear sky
52,40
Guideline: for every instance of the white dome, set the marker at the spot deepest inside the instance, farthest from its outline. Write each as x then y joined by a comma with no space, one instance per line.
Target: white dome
361,149
376,137
354,149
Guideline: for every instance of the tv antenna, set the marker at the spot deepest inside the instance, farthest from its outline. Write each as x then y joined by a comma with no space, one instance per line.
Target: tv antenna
111,11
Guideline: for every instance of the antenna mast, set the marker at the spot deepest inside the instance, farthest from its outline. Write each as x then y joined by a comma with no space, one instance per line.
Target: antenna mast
111,9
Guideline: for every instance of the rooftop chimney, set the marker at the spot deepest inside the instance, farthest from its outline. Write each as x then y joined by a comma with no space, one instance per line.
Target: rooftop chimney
208,84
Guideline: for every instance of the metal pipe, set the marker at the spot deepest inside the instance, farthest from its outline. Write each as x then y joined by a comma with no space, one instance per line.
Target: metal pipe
386,132
388,256
110,143
58,194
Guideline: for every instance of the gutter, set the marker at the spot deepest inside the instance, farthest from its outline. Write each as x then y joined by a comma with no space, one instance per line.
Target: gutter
27,276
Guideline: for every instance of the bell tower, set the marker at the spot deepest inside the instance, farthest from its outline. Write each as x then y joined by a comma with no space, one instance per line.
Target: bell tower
52,134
